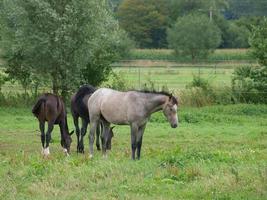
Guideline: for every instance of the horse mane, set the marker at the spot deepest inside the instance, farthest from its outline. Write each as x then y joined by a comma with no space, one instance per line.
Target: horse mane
84,90
175,101
81,93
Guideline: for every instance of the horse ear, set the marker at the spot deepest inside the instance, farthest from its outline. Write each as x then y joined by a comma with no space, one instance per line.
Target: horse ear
71,132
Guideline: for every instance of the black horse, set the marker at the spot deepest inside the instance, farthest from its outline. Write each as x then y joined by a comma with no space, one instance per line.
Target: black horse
51,108
79,108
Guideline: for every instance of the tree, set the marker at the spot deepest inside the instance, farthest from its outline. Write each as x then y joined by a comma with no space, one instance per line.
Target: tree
194,35
258,42
239,8
61,39
252,81
145,21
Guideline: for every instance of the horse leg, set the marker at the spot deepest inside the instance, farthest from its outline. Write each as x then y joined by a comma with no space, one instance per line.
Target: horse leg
42,127
48,137
83,133
98,130
134,130
104,136
93,125
139,140
77,130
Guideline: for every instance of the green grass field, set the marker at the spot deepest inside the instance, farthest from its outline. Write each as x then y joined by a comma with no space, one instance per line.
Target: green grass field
167,54
217,152
174,78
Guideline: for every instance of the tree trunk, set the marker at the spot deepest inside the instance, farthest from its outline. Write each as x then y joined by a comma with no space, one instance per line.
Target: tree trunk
55,84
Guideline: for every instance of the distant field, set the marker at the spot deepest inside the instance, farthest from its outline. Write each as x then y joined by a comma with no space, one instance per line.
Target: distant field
174,78
163,68
217,152
166,54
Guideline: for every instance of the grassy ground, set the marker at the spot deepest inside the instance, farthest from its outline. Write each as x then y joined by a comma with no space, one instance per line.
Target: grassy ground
217,152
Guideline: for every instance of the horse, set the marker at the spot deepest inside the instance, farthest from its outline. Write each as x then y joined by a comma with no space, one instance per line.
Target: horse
79,108
132,108
51,109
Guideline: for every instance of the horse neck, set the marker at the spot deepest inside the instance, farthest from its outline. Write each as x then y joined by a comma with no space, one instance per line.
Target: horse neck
65,127
155,102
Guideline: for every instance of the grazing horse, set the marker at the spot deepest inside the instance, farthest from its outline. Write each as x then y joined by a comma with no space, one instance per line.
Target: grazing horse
132,108
51,108
79,108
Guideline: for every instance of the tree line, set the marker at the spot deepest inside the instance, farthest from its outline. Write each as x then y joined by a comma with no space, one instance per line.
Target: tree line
148,21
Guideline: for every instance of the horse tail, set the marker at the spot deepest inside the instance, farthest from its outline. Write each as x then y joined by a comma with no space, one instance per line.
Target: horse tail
37,106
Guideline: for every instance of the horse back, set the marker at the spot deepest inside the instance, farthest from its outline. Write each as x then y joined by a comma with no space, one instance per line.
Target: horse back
49,107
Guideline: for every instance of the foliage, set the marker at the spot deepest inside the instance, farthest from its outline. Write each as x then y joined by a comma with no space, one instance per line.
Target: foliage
117,81
249,84
235,34
61,39
194,35
246,8
200,82
145,21
3,79
13,99
258,42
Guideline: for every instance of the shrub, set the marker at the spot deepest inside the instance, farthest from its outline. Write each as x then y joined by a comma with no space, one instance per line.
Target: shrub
117,82
249,84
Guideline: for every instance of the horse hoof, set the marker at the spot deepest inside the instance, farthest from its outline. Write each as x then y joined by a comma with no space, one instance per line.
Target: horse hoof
105,156
46,151
90,156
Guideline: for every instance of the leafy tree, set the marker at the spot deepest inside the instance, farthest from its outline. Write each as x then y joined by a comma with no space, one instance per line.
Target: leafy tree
180,8
145,21
252,81
60,39
194,35
258,42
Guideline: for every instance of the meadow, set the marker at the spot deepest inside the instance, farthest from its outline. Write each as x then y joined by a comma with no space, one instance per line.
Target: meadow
174,77
218,152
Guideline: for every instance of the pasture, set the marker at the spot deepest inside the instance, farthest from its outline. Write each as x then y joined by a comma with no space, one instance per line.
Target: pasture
218,152
175,77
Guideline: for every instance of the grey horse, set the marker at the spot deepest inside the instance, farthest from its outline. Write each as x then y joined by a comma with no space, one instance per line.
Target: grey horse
132,108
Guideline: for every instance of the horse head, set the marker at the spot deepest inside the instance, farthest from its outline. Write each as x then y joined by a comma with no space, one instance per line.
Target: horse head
170,111
66,142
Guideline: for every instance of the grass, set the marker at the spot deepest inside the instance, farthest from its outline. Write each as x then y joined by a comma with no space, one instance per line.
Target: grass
217,152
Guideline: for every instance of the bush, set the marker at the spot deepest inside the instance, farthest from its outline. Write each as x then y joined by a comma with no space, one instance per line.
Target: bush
249,84
117,82
3,79
17,99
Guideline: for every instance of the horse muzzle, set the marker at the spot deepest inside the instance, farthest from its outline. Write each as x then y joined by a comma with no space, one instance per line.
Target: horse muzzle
174,125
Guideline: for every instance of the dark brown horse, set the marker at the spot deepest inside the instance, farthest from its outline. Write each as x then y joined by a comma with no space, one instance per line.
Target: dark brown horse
79,109
51,109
